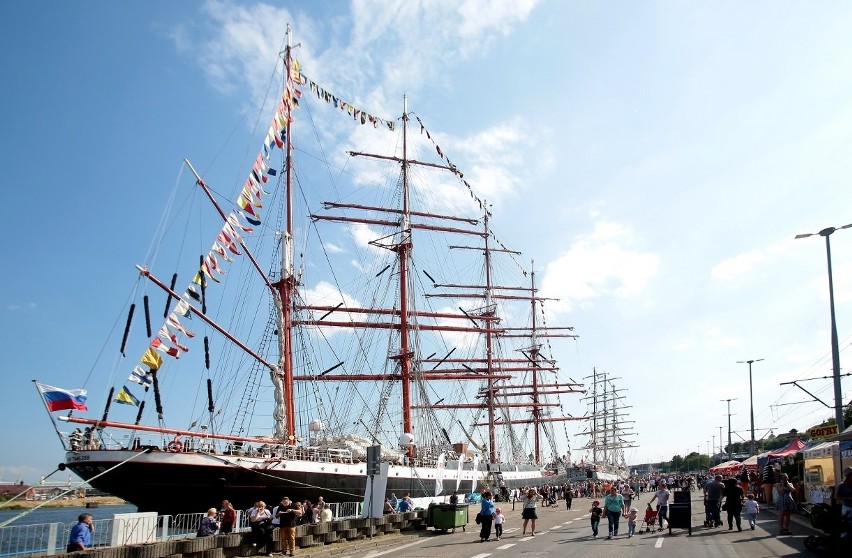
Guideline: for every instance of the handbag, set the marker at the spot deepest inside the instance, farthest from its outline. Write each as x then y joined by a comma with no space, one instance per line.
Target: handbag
478,518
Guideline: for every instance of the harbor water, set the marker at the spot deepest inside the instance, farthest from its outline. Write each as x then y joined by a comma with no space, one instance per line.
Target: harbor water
67,514
29,530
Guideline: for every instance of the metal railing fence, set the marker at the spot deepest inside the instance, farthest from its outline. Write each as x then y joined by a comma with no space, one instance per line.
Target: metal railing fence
52,538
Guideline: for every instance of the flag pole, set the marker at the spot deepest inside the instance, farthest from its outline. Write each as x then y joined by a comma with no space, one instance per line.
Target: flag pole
46,408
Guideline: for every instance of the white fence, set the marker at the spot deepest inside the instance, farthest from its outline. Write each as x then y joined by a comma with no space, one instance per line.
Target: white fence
122,529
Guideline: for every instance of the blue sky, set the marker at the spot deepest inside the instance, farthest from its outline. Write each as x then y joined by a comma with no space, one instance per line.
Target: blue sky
655,159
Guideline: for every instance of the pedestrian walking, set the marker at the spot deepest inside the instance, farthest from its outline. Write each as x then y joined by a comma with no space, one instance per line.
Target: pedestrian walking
752,508
595,517
632,513
614,506
498,522
662,497
713,500
785,504
530,502
486,516
733,503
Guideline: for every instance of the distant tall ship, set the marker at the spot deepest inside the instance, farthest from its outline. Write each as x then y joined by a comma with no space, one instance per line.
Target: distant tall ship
608,433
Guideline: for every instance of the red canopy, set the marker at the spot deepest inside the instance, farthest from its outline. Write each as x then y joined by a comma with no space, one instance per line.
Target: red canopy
727,468
794,447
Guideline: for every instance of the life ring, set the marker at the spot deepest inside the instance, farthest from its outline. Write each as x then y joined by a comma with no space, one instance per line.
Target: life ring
175,446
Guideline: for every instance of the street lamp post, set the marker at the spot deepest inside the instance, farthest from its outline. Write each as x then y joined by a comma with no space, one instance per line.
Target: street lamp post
720,442
750,399
729,424
835,351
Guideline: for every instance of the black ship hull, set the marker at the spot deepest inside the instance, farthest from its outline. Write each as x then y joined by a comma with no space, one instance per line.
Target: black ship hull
176,483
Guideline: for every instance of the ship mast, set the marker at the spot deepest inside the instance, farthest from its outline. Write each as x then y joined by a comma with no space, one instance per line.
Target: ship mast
609,434
493,370
403,250
405,314
538,389
489,349
285,426
529,396
534,354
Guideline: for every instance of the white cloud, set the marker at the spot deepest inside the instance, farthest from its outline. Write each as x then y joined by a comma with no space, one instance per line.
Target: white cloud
707,340
749,262
481,15
737,266
333,248
463,341
326,294
22,307
364,235
598,264
249,38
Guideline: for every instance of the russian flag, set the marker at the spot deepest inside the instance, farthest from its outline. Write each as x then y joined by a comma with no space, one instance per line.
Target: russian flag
58,399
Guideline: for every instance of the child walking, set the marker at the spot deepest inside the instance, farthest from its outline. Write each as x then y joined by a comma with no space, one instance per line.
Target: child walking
596,513
631,521
498,523
752,508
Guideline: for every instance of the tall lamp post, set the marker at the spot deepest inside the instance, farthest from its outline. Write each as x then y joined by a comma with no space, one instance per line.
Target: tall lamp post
835,352
712,454
729,424
750,398
720,442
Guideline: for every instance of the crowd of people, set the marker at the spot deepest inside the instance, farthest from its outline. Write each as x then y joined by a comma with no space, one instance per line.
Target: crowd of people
263,521
739,495
399,505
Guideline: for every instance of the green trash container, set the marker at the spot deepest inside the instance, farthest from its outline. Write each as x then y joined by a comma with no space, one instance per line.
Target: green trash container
446,517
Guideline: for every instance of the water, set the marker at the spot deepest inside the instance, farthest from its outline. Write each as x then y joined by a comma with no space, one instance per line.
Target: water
41,529
63,515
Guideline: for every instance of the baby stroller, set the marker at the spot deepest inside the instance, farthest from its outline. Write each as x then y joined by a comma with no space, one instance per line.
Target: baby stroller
649,523
829,521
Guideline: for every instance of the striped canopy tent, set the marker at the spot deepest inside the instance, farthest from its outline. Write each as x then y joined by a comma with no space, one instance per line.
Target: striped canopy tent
727,468
751,463
794,447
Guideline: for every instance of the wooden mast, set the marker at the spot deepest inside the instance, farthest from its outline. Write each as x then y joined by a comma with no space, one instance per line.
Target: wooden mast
286,286
403,251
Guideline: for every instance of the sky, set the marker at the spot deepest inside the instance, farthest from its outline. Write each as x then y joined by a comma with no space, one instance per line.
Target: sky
655,160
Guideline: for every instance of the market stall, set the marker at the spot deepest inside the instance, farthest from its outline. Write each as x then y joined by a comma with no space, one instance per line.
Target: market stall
821,463
732,467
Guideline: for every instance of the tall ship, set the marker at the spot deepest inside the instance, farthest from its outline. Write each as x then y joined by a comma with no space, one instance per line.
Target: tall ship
607,431
334,302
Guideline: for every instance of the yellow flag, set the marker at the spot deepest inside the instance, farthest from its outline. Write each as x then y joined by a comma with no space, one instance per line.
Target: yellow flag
124,396
152,359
